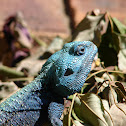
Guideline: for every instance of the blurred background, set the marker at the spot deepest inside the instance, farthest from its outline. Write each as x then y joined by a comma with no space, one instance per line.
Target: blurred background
58,17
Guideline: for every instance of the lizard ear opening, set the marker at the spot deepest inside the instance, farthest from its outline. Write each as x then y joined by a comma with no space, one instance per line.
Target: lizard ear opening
68,72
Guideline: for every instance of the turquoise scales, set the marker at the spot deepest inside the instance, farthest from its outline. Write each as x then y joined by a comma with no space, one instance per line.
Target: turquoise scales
63,74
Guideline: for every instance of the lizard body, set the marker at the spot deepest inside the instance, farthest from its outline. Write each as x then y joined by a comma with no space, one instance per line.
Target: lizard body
63,74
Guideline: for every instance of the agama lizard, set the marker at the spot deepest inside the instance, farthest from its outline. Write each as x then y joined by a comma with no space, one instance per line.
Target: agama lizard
63,74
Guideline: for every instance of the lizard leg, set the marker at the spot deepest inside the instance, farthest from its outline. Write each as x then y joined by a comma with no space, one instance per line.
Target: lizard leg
55,111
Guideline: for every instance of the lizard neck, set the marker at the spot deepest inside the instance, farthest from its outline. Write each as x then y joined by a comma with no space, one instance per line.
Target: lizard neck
40,83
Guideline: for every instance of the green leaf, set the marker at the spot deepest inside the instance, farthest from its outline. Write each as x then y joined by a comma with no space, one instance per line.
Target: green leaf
110,95
118,113
109,46
120,27
122,53
89,108
107,115
89,29
112,49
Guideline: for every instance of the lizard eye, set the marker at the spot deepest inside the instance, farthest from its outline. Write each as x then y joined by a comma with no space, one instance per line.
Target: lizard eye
68,72
79,50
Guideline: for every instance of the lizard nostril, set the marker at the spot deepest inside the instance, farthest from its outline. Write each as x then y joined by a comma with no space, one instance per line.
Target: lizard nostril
68,72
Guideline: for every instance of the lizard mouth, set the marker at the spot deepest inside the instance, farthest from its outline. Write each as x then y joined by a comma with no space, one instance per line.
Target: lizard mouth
68,72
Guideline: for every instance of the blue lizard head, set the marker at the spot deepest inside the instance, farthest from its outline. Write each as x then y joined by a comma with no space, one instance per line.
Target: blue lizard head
70,67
